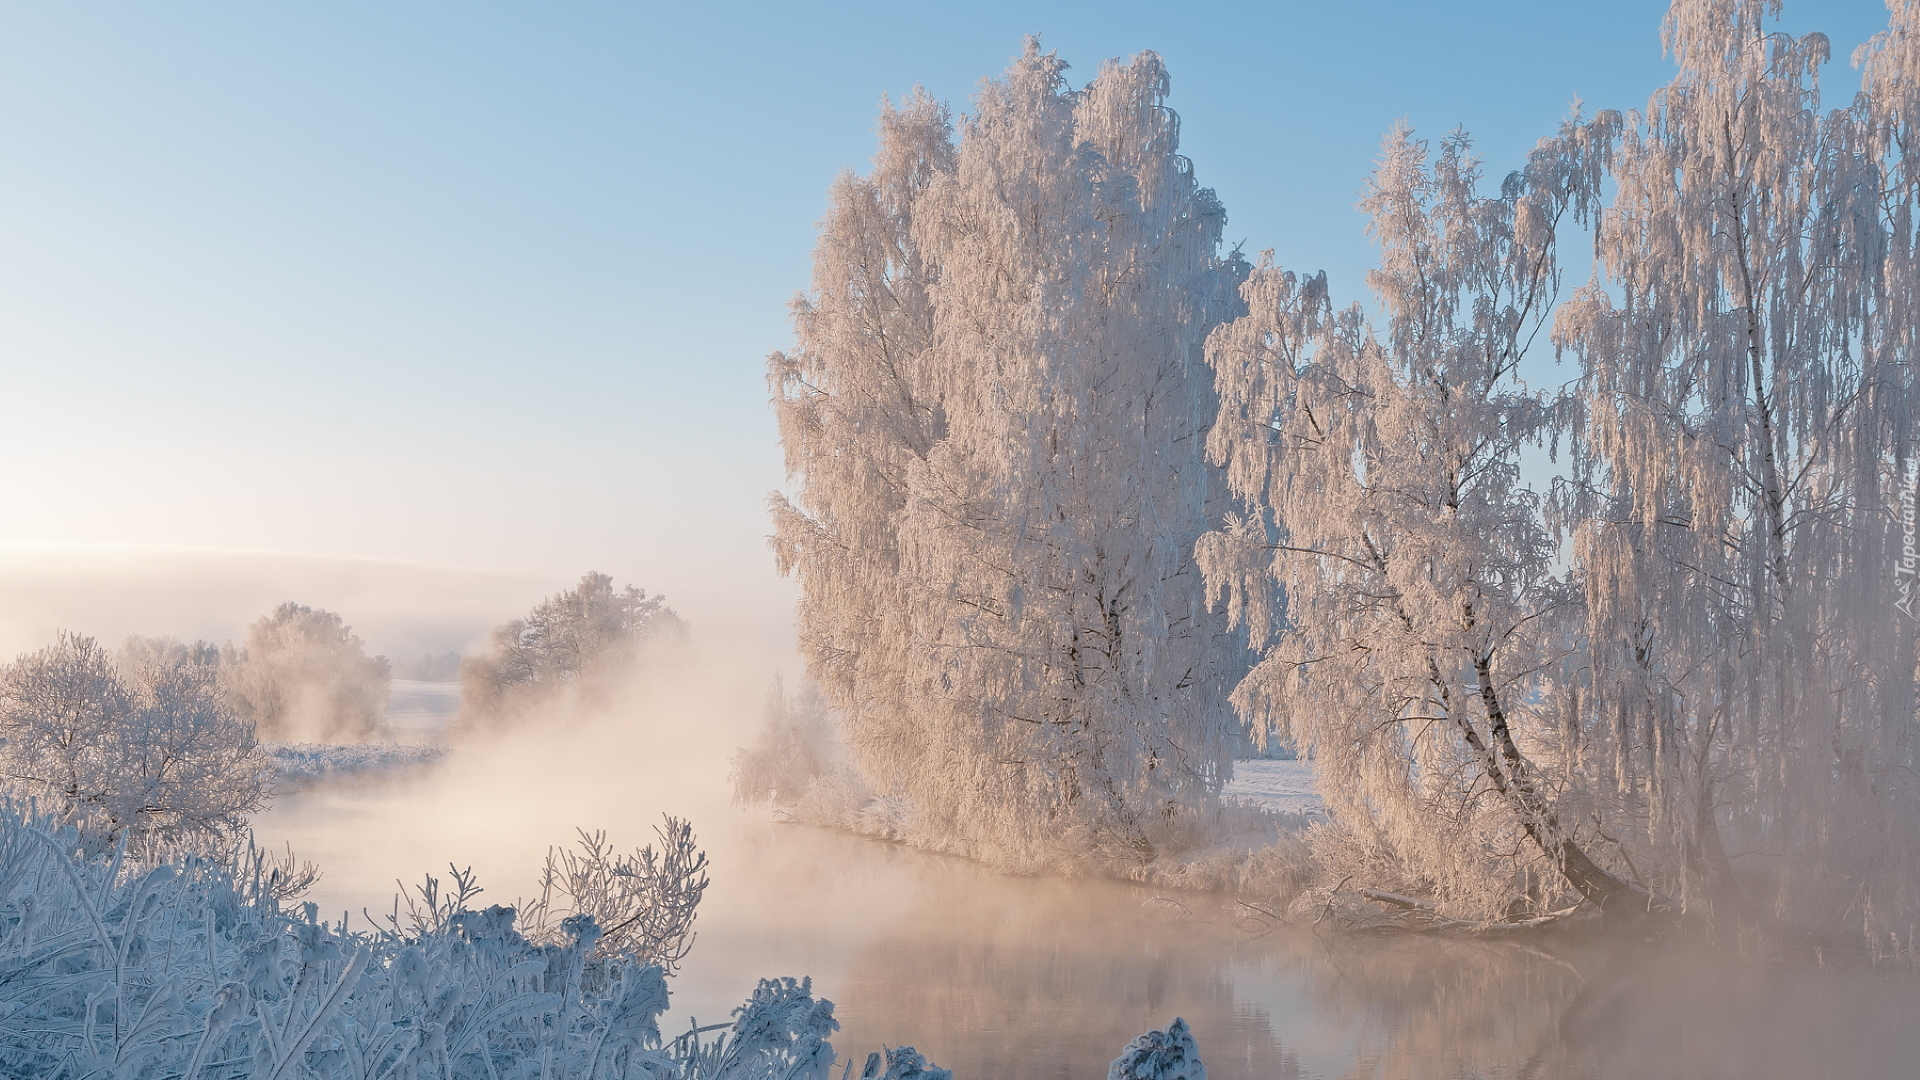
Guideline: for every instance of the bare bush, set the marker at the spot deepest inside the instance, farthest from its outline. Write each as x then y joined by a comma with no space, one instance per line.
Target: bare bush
643,904
431,906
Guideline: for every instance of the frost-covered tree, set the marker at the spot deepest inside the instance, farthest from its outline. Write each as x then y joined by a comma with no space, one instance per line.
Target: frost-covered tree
856,413
798,743
152,749
305,677
1703,699
190,764
1747,725
569,642
1381,478
63,707
997,415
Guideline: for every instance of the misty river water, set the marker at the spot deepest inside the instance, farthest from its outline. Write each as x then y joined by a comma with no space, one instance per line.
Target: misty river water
996,976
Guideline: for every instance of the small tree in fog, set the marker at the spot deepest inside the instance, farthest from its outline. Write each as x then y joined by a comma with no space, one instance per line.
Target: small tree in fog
154,748
797,745
567,642
305,677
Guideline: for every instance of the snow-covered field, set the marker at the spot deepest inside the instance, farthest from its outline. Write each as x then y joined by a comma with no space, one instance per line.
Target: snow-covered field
298,765
1276,785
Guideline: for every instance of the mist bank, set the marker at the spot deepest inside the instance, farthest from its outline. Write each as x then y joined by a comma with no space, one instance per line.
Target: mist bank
112,592
403,610
1036,977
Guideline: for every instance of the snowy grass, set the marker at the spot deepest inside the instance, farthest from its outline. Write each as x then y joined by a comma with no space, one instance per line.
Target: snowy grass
194,967
191,967
417,718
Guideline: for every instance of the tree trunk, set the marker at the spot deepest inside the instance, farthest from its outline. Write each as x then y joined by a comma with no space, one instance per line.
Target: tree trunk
1512,777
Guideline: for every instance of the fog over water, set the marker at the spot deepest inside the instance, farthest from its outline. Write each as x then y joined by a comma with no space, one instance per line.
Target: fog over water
990,975
414,319
997,976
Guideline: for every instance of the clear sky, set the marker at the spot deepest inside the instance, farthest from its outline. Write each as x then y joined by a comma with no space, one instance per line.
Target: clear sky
491,285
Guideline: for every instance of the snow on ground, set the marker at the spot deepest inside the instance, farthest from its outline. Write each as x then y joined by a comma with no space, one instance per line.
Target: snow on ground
417,716
1276,785
298,765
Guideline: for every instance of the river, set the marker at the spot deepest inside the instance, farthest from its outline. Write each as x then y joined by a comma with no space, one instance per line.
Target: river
1006,977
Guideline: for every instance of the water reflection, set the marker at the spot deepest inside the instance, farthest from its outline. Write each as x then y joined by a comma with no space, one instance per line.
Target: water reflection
1045,978
1048,978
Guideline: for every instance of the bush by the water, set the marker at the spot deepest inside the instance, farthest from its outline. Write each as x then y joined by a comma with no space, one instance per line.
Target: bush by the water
139,971
196,967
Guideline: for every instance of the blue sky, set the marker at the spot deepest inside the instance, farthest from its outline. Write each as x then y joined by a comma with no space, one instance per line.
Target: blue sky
491,285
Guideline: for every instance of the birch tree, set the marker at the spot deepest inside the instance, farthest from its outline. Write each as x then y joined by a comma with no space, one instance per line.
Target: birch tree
1746,405
856,413
1381,484
1014,478
1711,711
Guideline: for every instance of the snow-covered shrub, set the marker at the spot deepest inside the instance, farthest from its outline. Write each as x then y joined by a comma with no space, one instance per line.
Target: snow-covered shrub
304,676
191,969
152,747
797,764
779,1034
1162,1054
644,903
902,1063
570,643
